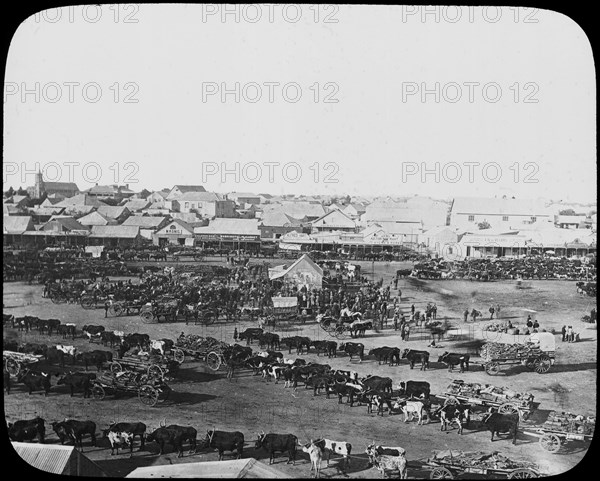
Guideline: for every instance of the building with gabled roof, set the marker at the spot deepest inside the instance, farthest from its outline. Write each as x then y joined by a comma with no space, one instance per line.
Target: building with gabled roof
205,204
117,192
41,187
57,459
63,224
148,224
80,200
236,468
135,205
334,220
274,224
96,218
178,190
175,232
117,212
116,235
17,224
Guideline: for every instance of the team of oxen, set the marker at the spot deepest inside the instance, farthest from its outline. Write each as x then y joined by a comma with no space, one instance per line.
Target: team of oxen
410,398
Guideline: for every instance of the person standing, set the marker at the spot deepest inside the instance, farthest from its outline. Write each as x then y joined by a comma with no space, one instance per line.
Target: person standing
412,310
466,315
406,332
235,334
106,306
570,334
497,311
434,310
564,333
492,310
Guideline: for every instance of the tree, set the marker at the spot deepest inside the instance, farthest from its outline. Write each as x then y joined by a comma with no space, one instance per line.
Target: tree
10,192
484,225
22,191
145,193
567,212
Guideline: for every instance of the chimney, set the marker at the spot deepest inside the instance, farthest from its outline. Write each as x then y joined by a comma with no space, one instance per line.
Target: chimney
127,186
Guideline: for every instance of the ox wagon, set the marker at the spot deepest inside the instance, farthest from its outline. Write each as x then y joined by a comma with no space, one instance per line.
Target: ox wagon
539,358
153,365
561,428
120,308
505,402
149,389
15,362
449,464
209,350
168,308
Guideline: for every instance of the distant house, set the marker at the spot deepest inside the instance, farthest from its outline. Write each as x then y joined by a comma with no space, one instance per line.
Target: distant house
158,196
232,233
179,190
117,192
96,218
17,224
570,221
274,224
80,200
440,239
117,212
135,205
298,210
148,225
354,210
244,198
175,232
302,273
63,224
500,213
115,235
334,220
205,204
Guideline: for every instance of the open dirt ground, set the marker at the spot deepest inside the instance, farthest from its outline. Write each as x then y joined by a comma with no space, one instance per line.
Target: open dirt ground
205,400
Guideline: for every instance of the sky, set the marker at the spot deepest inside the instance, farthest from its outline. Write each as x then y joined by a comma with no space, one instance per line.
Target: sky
359,100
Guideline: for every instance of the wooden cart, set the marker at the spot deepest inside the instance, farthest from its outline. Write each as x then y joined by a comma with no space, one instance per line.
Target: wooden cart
503,405
15,362
153,365
553,435
539,359
211,353
149,389
449,469
333,327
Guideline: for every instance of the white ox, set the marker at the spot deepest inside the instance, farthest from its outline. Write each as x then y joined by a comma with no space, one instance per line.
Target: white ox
316,456
341,448
118,439
385,463
412,409
70,350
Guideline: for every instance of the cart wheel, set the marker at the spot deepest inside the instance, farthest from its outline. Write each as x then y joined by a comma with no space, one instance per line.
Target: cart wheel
148,395
213,361
522,473
13,367
524,415
87,303
451,401
115,367
550,442
155,371
441,473
178,355
116,309
147,317
530,364
98,392
542,364
492,368
341,333
508,408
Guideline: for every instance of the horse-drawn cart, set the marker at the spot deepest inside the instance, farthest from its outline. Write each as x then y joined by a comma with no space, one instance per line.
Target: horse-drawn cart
15,362
449,464
153,365
333,327
169,309
149,389
504,400
561,428
209,349
537,354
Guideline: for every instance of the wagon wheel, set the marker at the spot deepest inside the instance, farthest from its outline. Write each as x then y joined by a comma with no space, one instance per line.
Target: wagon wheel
550,442
12,366
213,361
492,368
147,316
508,408
451,400
87,303
522,473
542,364
178,355
340,332
155,370
116,309
441,473
98,392
115,367
148,395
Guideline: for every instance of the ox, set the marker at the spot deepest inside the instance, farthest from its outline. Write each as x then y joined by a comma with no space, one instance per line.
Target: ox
124,434
27,430
502,423
412,409
273,443
452,359
75,430
225,441
78,380
353,349
35,381
420,389
335,447
456,414
315,454
414,356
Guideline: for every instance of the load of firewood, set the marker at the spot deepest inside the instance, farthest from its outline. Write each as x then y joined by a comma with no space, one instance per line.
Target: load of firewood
498,350
480,459
199,343
489,392
569,422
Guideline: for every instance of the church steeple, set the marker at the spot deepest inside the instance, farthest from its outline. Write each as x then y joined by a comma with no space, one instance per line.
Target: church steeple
39,185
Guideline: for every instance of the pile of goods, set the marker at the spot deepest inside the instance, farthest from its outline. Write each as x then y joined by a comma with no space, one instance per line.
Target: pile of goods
199,343
569,422
480,460
496,327
490,393
498,350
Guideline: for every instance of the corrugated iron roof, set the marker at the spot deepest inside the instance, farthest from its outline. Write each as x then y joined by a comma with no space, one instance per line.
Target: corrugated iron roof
237,468
144,221
230,227
65,460
116,231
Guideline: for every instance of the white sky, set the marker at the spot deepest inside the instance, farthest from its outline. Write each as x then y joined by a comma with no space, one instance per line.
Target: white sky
373,54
